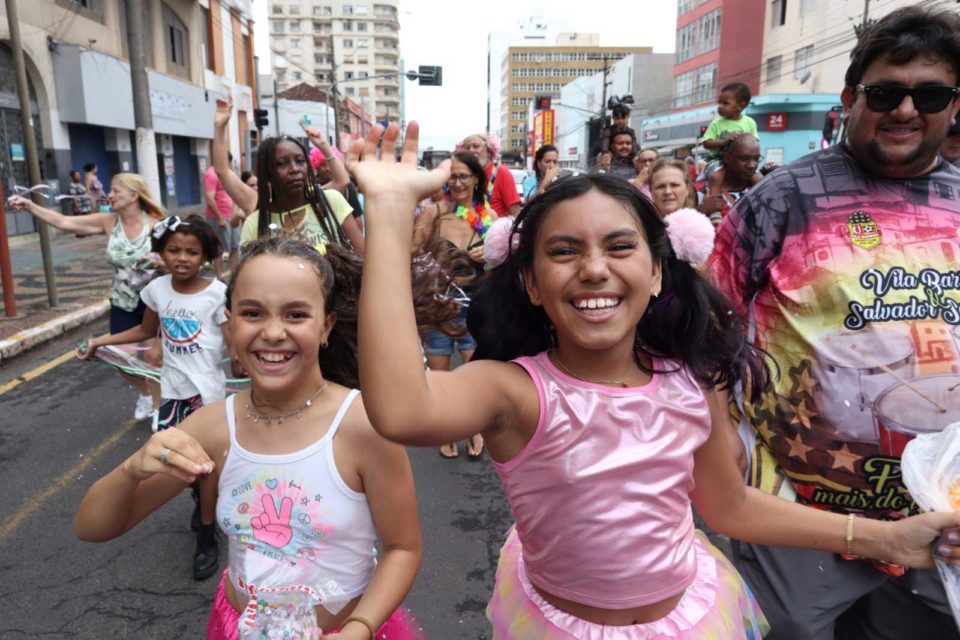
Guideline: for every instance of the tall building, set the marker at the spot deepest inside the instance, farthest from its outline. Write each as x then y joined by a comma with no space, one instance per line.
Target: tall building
81,93
807,44
355,45
533,31
527,72
716,44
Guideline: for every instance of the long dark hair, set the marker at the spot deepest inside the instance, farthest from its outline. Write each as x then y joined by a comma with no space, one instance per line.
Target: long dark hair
480,189
340,272
538,157
268,186
690,321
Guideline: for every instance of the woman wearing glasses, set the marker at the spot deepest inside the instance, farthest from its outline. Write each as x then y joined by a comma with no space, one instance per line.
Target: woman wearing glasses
462,218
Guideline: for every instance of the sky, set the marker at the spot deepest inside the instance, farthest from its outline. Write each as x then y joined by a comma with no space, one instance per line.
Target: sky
453,34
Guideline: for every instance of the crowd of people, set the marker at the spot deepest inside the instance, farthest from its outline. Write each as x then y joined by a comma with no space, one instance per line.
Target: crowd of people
623,362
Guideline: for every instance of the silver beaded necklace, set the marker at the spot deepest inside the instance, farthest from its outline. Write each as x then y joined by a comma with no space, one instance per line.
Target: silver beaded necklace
279,419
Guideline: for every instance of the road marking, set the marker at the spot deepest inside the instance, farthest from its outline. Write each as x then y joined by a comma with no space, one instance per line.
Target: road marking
64,480
37,371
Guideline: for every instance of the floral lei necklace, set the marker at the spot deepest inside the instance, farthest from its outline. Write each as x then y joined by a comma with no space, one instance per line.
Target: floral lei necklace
478,217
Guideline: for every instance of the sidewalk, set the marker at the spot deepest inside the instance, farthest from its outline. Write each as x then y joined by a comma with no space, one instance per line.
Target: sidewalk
83,279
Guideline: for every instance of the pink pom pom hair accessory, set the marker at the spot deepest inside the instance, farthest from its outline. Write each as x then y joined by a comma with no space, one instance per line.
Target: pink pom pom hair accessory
691,235
496,243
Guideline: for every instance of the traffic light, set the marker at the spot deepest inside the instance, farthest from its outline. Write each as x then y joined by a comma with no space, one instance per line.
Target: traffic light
541,103
261,117
430,76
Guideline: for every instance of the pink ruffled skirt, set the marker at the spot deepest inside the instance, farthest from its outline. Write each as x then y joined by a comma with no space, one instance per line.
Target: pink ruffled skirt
224,620
718,605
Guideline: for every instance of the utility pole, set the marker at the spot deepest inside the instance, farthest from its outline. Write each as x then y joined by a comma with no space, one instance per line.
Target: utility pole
603,101
276,107
142,115
30,146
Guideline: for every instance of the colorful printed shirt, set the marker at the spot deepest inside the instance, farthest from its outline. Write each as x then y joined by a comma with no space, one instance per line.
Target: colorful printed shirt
190,330
293,522
851,282
126,256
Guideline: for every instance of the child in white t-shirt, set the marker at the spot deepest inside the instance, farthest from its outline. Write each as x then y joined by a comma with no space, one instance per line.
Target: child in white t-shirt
189,312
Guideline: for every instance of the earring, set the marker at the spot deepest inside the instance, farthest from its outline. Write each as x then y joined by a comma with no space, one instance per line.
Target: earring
324,345
310,189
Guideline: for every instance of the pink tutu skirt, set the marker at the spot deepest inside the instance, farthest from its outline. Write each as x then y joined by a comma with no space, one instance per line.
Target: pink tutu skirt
718,605
224,620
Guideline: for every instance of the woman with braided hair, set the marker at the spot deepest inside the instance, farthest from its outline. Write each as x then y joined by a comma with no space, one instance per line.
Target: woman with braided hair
288,188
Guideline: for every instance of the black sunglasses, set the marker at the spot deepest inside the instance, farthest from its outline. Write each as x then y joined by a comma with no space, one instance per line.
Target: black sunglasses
928,98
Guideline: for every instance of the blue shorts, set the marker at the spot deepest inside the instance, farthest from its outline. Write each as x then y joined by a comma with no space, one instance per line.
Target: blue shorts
121,319
437,343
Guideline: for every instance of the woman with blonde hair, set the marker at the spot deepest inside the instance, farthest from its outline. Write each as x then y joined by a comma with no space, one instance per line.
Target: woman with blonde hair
670,186
133,214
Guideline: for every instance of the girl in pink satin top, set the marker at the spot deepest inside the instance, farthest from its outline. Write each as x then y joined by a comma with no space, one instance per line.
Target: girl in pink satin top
601,354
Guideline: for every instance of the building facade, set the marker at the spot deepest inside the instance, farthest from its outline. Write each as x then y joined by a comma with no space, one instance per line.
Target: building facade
356,46
712,50
646,77
527,72
807,44
82,97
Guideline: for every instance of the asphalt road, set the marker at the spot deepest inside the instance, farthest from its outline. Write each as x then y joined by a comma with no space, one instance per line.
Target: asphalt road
65,428
61,431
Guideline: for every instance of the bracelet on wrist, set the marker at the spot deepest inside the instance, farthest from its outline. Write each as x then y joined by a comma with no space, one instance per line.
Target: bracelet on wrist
364,622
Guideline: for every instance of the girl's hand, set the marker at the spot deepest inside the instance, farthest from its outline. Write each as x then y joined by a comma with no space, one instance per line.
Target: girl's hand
915,540
19,203
316,137
184,458
87,348
224,110
398,183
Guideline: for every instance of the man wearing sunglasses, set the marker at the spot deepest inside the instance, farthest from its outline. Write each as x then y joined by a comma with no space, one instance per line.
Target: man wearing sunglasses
843,264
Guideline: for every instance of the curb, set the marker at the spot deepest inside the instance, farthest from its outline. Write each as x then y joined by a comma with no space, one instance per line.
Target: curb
29,338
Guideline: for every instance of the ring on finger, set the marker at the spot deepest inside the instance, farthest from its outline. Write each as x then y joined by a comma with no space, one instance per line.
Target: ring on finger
163,455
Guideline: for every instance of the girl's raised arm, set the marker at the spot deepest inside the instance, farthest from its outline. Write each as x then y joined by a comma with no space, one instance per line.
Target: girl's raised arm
748,514
403,402
242,195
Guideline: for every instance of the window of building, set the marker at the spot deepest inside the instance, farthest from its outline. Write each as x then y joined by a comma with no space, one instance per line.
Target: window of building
347,10
347,26
685,5
281,74
774,68
323,11
277,8
686,40
361,26
361,11
206,37
348,75
351,91
348,43
706,83
294,9
278,26
92,9
175,41
802,61
778,13
294,25
319,58
297,75
320,76
362,74
683,90
709,36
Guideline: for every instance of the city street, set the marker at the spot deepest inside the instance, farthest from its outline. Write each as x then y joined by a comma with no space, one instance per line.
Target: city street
63,429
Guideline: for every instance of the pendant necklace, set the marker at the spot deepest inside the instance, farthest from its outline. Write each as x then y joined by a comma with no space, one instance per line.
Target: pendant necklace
622,382
279,419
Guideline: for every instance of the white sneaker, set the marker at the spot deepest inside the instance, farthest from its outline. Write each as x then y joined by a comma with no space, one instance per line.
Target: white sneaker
155,421
144,408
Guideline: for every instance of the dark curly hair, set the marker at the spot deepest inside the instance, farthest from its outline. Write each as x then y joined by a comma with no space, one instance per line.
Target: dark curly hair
191,225
340,273
690,321
905,34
